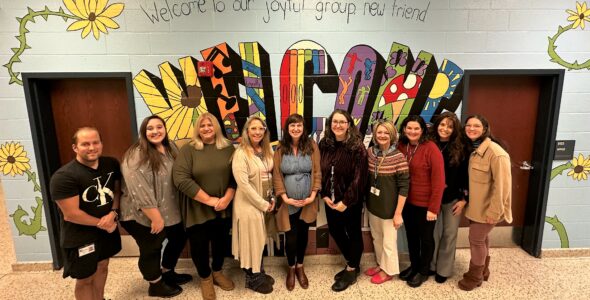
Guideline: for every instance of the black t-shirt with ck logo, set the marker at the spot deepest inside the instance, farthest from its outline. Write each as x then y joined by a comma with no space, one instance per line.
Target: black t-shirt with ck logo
95,189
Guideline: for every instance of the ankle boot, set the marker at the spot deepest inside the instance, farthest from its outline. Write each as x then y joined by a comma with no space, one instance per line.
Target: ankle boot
163,289
486,269
207,288
222,281
290,283
473,278
301,277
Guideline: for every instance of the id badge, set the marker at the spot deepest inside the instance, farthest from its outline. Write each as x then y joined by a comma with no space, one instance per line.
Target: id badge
375,191
86,250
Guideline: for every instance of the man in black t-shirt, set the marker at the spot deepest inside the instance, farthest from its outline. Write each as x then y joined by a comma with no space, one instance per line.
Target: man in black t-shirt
87,191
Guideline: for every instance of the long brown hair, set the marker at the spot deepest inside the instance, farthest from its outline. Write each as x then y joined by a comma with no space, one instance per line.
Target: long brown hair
353,138
304,145
487,131
148,152
455,145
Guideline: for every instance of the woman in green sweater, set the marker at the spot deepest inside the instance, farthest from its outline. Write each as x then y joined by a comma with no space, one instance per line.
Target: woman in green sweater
202,172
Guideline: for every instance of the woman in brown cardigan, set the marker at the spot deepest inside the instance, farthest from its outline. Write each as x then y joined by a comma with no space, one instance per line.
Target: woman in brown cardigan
296,180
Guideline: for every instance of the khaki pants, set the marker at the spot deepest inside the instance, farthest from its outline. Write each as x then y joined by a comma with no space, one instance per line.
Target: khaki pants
385,244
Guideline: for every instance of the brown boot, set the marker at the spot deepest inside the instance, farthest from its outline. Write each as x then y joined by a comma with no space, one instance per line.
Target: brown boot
207,288
222,281
486,269
290,279
303,282
473,278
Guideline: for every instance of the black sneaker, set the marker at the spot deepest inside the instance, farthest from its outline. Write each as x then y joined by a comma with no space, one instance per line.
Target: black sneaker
417,280
407,274
439,278
163,289
172,277
339,274
268,277
347,279
259,283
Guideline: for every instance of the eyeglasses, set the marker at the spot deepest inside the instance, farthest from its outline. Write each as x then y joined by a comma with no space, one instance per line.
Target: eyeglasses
337,122
257,129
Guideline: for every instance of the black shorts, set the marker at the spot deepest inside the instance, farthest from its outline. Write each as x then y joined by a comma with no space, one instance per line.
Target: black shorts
85,266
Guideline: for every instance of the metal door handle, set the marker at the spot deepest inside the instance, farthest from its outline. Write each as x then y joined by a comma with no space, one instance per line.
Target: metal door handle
525,165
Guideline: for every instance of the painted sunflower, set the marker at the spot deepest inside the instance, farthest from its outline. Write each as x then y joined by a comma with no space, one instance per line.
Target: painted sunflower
580,168
579,16
94,16
13,159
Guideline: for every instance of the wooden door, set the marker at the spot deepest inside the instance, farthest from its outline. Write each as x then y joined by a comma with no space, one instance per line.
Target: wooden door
98,102
510,103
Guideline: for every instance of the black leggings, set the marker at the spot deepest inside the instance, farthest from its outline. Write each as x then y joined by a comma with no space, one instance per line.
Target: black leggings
214,231
150,247
296,239
420,234
345,228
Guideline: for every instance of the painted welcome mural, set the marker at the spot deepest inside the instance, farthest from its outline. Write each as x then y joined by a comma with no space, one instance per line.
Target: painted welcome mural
369,85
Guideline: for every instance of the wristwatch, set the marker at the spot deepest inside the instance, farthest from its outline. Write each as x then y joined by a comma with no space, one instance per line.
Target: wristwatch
117,212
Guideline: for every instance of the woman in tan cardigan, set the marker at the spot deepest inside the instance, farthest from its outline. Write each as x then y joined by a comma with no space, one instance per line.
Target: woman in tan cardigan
252,168
490,197
296,179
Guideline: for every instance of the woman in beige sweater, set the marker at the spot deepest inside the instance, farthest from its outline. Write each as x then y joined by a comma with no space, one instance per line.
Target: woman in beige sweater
252,165
490,197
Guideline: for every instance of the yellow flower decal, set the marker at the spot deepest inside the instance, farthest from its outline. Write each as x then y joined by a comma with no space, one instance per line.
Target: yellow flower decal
579,16
94,16
13,159
580,168
176,96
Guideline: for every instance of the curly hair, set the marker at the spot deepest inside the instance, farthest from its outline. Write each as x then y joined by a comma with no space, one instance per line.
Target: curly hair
455,146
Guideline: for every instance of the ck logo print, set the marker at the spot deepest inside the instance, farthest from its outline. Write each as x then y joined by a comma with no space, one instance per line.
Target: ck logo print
102,191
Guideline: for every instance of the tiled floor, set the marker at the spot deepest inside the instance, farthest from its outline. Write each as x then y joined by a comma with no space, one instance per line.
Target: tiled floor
514,275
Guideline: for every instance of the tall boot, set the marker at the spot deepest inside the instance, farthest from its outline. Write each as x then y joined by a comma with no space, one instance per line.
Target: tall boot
207,288
473,278
486,269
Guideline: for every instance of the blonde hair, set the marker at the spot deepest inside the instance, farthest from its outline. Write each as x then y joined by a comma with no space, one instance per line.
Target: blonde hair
389,126
246,144
220,140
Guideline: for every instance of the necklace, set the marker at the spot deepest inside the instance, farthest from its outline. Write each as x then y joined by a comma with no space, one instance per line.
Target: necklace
410,154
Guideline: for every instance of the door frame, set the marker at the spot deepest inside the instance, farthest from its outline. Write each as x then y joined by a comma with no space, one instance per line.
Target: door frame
544,144
36,87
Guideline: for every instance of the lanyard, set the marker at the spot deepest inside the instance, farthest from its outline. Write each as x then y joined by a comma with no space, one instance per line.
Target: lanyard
378,166
410,155
332,184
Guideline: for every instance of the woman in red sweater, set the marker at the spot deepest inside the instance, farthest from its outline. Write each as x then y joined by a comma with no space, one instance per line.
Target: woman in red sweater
427,183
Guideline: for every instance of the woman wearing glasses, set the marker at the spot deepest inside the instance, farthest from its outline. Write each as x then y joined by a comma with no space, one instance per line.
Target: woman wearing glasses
388,189
296,180
427,183
252,165
344,176
490,197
